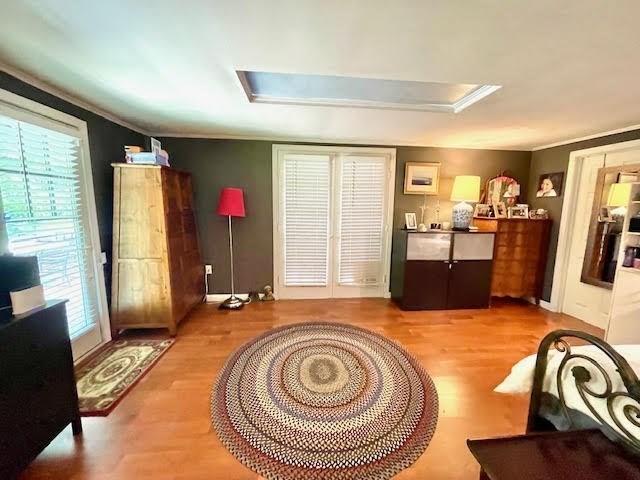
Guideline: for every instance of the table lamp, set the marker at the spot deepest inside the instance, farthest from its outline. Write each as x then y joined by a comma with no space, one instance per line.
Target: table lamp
231,204
466,188
619,194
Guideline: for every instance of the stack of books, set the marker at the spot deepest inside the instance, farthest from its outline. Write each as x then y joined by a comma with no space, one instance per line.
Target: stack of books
134,154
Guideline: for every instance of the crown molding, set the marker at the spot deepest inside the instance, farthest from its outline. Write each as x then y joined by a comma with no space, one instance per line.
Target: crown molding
325,141
67,97
588,137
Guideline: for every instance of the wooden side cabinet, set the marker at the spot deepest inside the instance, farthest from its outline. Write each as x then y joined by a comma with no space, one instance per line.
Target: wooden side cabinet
521,252
158,276
443,270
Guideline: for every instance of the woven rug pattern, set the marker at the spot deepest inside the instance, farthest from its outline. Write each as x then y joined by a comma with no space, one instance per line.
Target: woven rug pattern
106,378
324,401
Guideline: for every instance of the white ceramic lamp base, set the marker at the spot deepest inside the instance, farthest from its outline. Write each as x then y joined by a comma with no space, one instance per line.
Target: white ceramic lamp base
462,215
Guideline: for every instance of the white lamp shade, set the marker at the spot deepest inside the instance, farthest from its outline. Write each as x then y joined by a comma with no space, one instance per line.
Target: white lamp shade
619,195
466,188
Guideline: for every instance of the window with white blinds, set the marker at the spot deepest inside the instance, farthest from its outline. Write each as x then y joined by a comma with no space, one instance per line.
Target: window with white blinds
305,205
43,211
362,213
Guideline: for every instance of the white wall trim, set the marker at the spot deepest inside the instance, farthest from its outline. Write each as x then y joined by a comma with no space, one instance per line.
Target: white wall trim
546,305
328,141
588,137
33,112
45,87
569,205
221,297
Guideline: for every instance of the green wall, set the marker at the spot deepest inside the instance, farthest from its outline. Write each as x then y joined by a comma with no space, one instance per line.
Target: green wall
556,159
247,164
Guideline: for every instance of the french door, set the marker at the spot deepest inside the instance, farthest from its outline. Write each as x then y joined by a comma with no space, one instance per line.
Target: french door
332,221
47,210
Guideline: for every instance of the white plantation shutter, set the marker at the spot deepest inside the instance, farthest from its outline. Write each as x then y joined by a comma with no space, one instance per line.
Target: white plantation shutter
305,207
362,213
44,213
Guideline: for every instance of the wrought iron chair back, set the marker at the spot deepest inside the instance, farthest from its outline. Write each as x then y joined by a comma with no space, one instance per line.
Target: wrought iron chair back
623,406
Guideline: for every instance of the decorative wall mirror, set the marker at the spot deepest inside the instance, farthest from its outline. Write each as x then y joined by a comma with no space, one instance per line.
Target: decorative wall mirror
501,188
605,226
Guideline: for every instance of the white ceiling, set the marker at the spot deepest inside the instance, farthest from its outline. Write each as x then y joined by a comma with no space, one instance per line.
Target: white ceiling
568,69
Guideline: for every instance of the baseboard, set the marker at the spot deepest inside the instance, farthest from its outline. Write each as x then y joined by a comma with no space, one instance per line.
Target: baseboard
547,306
221,297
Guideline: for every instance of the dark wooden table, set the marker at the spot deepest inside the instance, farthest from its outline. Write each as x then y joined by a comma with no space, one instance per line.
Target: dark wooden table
579,455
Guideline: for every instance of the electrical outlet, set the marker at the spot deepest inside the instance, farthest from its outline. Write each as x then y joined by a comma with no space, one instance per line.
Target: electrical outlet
208,269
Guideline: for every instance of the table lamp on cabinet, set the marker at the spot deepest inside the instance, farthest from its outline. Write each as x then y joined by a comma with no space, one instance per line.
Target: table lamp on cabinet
466,188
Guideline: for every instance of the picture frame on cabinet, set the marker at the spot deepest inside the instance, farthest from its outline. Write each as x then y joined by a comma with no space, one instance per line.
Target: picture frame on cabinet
519,211
482,210
410,221
500,209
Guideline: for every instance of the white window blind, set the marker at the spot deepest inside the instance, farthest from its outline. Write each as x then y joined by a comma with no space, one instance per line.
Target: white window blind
305,204
362,203
42,206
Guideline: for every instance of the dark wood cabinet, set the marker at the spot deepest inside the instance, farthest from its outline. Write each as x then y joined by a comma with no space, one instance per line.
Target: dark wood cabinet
442,270
425,285
38,396
469,284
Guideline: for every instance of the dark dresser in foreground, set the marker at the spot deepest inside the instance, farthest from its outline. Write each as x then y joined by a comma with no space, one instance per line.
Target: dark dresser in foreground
572,455
439,270
38,396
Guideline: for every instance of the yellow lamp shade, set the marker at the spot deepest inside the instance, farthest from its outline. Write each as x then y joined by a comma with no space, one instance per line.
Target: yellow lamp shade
619,195
466,188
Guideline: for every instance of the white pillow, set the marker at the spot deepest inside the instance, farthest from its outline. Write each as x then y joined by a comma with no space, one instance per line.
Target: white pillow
520,380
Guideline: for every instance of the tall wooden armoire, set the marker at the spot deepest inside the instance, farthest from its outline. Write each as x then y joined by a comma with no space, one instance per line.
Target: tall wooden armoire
158,276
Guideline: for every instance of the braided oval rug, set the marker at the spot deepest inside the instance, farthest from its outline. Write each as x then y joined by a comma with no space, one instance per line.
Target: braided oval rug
324,401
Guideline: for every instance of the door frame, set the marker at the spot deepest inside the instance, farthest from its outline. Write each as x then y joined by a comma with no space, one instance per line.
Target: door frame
30,111
569,205
278,152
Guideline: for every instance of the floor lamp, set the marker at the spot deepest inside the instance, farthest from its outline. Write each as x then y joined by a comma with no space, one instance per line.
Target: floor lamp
231,204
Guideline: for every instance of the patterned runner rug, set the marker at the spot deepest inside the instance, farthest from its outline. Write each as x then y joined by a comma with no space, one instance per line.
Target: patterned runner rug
105,379
324,401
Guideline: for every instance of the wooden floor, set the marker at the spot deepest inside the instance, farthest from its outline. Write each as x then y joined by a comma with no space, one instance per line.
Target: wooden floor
162,430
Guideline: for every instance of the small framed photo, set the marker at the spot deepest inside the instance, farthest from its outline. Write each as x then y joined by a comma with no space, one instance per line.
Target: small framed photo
421,178
156,146
605,215
519,211
500,209
482,210
410,221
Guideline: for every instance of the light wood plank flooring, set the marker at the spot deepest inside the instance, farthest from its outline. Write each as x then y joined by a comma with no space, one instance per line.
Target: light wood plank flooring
162,430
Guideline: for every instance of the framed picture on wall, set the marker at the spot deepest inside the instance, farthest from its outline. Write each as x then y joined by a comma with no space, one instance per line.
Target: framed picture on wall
421,178
550,185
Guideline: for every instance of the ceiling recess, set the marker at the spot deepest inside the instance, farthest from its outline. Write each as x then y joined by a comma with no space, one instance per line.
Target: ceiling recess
328,90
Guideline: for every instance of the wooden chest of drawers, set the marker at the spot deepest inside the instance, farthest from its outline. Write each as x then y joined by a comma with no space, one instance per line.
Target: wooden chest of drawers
520,256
